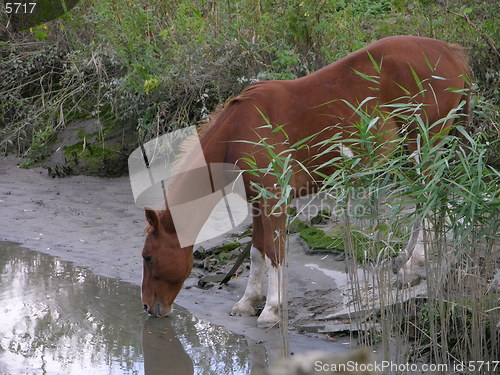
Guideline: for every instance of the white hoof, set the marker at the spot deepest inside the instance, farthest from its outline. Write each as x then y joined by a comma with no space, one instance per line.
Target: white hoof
268,318
245,307
411,274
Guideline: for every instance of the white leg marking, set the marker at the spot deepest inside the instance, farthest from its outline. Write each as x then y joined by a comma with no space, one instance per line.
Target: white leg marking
414,269
416,156
269,315
253,292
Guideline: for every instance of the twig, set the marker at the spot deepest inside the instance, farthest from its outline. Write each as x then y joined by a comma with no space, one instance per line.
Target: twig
244,254
466,18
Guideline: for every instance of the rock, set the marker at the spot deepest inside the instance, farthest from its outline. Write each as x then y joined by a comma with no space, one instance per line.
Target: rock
208,281
322,217
310,328
296,226
209,264
204,285
352,326
88,147
199,253
217,278
222,248
199,264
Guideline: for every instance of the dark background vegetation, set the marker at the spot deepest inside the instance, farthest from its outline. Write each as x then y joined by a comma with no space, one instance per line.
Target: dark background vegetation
144,68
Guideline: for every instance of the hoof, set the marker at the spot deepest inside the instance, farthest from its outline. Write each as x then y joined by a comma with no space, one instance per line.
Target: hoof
246,307
268,318
243,310
410,278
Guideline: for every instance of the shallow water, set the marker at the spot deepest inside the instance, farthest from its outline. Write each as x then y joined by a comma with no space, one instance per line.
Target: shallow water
57,318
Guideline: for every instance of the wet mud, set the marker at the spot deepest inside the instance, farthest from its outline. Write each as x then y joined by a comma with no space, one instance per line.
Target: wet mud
93,223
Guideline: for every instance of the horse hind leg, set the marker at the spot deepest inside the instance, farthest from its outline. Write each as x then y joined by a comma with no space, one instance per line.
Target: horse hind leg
412,259
415,255
410,264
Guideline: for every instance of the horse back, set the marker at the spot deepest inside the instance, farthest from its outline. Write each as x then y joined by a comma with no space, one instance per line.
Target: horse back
422,72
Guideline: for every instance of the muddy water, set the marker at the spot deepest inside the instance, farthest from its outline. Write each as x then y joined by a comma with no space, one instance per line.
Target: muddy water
56,318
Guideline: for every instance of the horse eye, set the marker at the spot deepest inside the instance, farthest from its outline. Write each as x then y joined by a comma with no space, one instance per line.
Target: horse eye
148,258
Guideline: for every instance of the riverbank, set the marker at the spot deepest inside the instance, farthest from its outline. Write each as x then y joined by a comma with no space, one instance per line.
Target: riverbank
94,223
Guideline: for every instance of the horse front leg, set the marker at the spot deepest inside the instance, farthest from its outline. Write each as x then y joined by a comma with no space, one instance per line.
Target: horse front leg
270,315
274,245
253,293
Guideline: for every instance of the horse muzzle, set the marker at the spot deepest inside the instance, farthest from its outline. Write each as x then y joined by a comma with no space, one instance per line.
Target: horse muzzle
158,310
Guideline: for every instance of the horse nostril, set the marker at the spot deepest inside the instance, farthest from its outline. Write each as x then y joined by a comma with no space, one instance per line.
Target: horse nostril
145,307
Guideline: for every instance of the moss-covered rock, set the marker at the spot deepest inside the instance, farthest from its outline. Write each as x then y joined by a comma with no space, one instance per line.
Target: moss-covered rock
229,246
365,244
322,217
89,148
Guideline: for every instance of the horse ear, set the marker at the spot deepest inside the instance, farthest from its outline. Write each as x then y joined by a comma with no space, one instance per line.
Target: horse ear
152,217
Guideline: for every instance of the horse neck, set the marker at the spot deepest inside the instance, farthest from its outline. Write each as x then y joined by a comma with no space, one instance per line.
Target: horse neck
213,141
186,185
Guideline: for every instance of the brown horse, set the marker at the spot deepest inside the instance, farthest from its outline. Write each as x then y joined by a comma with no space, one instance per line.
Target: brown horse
315,104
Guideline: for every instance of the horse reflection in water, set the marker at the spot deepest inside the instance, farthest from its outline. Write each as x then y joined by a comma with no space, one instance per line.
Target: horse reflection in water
163,351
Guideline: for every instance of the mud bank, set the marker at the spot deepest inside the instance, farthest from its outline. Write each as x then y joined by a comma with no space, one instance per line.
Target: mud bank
94,223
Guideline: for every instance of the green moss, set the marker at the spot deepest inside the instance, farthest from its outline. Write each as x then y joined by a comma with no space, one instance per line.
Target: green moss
222,252
223,258
317,239
247,232
297,226
229,246
365,247
94,160
322,217
362,240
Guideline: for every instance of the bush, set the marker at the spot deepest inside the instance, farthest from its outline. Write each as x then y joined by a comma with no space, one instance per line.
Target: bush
156,67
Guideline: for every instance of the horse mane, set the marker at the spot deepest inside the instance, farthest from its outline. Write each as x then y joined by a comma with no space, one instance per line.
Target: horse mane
203,128
205,125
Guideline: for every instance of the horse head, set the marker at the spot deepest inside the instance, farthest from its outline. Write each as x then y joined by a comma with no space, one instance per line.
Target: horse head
166,265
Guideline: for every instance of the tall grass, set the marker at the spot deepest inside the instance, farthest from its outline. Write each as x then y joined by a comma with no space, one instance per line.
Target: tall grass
452,317
457,194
